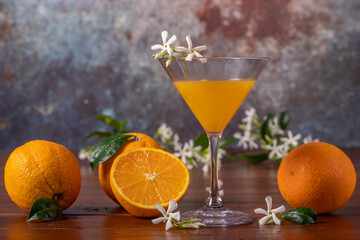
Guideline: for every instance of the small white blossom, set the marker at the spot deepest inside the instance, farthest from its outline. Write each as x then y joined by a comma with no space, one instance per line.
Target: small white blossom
283,151
168,215
270,213
249,115
243,139
275,149
191,51
309,139
84,155
165,132
185,152
220,185
253,144
274,127
166,44
176,143
291,140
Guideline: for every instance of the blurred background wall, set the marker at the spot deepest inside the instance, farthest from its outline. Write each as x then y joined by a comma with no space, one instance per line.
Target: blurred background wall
63,61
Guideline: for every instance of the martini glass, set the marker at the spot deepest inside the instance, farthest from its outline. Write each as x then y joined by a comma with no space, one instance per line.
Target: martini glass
214,91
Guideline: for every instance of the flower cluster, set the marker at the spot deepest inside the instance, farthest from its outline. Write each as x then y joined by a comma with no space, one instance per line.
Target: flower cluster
271,134
183,53
189,153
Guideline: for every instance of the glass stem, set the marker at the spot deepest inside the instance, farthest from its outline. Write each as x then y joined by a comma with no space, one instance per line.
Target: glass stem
214,200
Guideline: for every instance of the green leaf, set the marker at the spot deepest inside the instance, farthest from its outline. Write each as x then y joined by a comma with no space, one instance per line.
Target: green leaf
265,130
112,122
300,215
284,119
231,157
255,158
224,143
107,148
202,140
97,134
45,209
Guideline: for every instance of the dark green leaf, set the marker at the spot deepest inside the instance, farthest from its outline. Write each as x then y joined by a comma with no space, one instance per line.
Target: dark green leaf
265,130
231,157
122,124
202,140
112,122
284,120
45,209
97,134
300,215
107,148
255,158
227,142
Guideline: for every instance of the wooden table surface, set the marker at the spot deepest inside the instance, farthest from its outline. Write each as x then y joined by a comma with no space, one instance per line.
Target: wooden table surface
95,216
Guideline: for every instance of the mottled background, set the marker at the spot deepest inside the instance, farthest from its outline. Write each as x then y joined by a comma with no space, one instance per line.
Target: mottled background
63,61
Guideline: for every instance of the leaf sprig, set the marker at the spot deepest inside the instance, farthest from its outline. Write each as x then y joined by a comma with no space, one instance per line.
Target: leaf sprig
45,209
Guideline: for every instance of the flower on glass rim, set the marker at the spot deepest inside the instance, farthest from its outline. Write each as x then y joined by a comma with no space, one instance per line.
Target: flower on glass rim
291,139
309,139
168,215
190,50
166,44
270,213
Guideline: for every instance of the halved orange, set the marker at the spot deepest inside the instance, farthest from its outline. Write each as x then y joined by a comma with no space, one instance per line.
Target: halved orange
143,177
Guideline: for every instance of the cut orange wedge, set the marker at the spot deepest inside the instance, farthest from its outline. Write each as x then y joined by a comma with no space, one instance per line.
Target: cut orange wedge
143,177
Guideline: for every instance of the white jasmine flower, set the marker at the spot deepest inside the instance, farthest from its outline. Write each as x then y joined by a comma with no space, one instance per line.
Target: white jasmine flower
168,62
166,44
270,213
220,185
284,150
253,144
243,139
185,152
291,140
84,155
309,139
168,215
165,132
176,143
274,127
249,115
191,51
275,149
189,166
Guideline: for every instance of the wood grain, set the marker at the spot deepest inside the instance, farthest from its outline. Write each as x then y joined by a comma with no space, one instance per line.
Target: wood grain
95,216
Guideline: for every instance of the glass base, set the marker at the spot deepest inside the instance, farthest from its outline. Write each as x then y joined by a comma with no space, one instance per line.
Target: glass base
218,217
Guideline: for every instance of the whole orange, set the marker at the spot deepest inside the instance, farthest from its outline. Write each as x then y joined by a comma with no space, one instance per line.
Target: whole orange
143,141
42,169
317,175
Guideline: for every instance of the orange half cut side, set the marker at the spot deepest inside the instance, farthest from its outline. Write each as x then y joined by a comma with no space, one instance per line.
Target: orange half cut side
144,177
